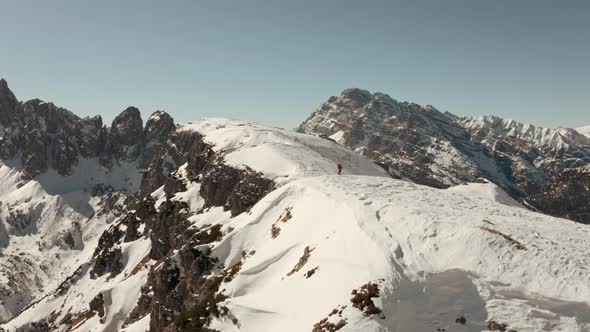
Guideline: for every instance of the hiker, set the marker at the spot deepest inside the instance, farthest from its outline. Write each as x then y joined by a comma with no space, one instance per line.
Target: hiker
339,169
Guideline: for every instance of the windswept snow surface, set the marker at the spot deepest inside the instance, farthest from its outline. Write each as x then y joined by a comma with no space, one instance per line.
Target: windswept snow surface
282,155
436,254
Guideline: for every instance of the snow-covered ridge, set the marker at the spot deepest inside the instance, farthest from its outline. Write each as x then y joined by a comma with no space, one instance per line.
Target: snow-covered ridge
282,155
498,127
584,131
435,255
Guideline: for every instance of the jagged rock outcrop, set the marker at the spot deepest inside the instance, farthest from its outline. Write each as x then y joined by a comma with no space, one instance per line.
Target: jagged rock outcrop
166,230
50,137
127,135
440,149
91,136
181,292
34,152
221,185
159,127
411,141
8,105
108,257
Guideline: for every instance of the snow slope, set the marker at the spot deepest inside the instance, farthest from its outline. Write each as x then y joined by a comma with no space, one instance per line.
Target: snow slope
584,131
435,255
49,225
282,155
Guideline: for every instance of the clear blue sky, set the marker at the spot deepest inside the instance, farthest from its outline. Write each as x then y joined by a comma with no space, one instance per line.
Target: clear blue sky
275,61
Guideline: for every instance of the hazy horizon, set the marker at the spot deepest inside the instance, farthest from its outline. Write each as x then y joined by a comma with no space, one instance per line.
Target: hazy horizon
276,63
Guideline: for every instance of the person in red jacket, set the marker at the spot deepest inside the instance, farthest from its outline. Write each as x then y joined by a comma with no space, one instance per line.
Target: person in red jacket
339,169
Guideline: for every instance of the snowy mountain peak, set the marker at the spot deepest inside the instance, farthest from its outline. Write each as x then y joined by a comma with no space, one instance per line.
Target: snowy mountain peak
356,108
497,127
356,96
426,146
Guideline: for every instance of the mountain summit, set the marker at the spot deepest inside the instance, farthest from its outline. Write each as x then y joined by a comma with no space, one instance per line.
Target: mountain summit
546,169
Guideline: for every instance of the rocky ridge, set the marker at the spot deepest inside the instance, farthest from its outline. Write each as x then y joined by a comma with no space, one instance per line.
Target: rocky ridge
440,149
37,136
172,161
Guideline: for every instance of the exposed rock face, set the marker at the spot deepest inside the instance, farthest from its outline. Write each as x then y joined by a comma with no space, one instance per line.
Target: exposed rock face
127,135
50,137
440,149
97,305
221,185
167,228
159,127
90,139
566,195
182,293
34,157
107,257
8,105
413,142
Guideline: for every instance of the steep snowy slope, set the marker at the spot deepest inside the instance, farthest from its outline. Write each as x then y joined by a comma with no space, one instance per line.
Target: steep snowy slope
49,225
61,177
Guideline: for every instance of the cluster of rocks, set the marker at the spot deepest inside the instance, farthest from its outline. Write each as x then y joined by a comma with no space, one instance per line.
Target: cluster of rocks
542,167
